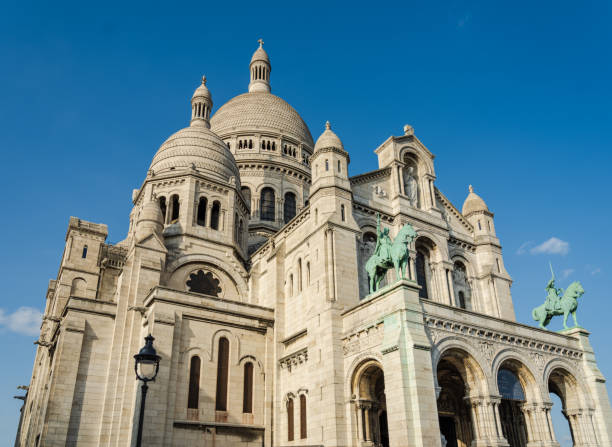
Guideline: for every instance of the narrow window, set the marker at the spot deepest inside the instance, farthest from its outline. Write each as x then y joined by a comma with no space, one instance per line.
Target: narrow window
342,212
194,383
339,170
162,207
240,144
240,231
303,431
489,224
273,146
268,145
498,265
327,165
222,375
290,207
250,144
290,420
247,395
267,205
175,208
299,281
236,227
462,300
214,215
84,255
308,273
479,226
201,220
291,284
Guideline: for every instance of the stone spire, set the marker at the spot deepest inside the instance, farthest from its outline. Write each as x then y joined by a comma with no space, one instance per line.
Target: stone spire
201,105
260,70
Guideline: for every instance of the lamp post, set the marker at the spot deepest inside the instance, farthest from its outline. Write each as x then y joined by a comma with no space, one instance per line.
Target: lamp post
146,367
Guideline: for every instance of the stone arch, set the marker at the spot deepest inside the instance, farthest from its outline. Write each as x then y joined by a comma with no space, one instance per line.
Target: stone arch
176,271
368,400
471,369
423,159
234,346
251,358
522,367
78,287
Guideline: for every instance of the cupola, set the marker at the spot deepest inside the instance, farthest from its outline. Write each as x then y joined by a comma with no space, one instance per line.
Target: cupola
201,104
150,220
329,161
260,70
475,210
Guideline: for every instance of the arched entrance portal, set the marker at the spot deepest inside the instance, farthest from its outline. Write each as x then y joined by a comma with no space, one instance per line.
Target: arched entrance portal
510,413
457,372
368,389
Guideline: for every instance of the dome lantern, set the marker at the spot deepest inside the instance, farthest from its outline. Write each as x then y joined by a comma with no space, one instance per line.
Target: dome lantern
201,104
260,70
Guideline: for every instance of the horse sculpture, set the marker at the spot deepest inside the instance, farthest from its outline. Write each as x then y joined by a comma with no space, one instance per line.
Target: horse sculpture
389,255
566,304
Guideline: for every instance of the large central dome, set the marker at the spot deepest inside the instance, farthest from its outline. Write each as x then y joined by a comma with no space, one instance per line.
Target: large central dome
260,111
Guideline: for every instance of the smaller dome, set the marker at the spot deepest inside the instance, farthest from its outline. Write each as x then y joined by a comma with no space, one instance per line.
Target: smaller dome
328,139
473,203
202,91
260,54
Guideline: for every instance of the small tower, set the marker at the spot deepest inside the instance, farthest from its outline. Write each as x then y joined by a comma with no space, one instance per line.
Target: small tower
475,210
201,105
330,193
260,70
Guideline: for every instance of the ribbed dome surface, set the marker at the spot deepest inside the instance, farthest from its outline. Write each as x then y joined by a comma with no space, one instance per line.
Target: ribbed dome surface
473,203
260,111
328,139
196,145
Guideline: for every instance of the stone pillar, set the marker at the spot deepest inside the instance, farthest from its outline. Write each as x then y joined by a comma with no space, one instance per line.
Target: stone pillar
601,416
412,266
411,404
401,180
208,214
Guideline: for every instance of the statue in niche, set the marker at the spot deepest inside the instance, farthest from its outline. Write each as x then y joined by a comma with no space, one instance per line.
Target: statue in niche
411,186
558,303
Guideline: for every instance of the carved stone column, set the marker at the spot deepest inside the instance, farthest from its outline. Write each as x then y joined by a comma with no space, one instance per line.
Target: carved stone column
412,266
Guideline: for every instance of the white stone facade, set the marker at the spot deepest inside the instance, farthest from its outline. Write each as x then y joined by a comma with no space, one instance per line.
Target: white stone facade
245,260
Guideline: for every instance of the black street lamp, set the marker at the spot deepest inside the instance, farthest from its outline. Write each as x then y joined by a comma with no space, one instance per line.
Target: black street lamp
146,367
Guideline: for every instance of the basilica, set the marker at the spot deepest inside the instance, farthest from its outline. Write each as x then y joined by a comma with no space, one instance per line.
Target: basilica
245,259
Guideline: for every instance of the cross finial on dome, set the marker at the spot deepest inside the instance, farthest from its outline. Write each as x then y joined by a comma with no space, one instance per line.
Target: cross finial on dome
471,188
203,79
327,125
261,42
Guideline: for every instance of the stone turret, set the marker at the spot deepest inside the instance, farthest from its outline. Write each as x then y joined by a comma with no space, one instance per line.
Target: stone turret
475,210
260,70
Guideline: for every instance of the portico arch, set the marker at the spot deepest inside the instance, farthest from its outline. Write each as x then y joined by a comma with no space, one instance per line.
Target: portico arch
461,382
370,406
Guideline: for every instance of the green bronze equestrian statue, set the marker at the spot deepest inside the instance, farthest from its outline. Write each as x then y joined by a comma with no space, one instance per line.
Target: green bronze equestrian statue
388,254
558,303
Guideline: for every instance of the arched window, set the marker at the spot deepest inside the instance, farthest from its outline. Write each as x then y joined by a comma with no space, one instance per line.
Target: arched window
222,375
250,144
78,287
203,203
194,383
247,393
240,230
291,284
240,144
214,215
289,210
267,203
303,428
308,273
299,280
246,193
421,276
162,207
461,285
327,165
175,208
273,146
84,254
290,435
342,213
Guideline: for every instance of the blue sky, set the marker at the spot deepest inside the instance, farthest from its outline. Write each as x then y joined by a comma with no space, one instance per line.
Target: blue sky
512,97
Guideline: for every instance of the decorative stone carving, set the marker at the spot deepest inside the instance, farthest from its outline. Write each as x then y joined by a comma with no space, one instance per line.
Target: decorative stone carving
292,360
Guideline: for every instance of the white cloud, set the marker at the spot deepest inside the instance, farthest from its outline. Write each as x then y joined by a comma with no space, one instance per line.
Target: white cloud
25,320
596,271
553,246
567,272
523,248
